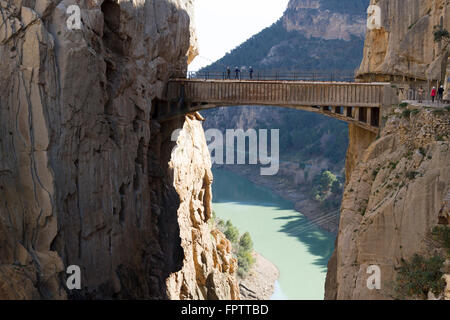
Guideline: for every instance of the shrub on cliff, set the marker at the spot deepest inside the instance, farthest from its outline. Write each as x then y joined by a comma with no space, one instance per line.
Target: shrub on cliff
246,242
231,232
245,261
245,254
419,276
441,34
442,235
242,246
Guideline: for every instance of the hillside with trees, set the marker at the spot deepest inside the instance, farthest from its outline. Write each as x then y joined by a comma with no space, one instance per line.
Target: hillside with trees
302,40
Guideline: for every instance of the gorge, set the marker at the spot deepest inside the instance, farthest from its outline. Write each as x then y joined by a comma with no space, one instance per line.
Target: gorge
88,176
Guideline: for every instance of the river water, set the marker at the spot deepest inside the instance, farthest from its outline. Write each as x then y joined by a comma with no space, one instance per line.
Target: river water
298,248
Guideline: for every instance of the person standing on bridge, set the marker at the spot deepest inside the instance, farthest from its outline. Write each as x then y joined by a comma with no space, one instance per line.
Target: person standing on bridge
433,94
228,73
420,93
250,71
237,72
441,93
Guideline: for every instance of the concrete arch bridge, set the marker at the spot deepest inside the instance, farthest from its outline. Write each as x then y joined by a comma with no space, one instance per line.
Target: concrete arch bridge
358,103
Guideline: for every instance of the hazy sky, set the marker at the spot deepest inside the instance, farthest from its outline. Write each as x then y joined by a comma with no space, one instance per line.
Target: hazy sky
224,24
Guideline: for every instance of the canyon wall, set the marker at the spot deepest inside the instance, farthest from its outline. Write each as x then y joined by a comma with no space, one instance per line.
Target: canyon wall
84,169
398,181
392,202
402,44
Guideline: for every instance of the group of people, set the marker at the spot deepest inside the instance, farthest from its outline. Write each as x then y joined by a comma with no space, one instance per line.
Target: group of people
435,94
237,73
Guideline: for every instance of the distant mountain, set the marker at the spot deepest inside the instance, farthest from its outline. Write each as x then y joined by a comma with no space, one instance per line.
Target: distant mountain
311,35
323,35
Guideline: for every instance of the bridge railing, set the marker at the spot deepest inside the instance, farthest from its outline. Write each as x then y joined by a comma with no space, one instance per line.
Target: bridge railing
278,93
333,76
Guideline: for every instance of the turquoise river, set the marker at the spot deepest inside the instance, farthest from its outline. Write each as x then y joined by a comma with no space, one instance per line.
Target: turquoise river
298,248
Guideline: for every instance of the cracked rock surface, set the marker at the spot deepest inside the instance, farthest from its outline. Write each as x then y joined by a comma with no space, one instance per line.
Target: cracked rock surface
84,174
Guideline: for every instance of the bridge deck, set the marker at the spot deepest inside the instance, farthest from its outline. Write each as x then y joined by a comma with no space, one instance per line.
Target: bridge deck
348,101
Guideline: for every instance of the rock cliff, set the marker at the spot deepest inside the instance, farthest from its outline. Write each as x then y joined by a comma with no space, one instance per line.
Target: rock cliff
402,44
392,202
84,173
326,19
208,264
398,182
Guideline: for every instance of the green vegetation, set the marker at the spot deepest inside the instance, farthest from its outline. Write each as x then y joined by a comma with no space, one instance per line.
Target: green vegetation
242,244
441,234
421,274
422,151
327,189
375,173
418,276
441,34
231,232
411,175
438,112
245,254
351,7
393,165
406,113
276,49
412,25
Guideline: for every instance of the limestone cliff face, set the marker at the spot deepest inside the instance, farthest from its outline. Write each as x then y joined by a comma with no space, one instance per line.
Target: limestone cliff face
393,200
359,141
84,174
208,265
403,43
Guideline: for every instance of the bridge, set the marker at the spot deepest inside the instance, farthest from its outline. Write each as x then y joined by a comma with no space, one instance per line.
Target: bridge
358,103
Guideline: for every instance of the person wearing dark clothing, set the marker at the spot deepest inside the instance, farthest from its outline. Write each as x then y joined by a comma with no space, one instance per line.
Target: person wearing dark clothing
250,71
441,93
237,72
228,73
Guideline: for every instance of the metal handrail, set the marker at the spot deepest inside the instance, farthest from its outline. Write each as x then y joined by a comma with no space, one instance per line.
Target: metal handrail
334,76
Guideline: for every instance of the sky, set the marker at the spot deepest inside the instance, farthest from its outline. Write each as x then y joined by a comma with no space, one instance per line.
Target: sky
222,25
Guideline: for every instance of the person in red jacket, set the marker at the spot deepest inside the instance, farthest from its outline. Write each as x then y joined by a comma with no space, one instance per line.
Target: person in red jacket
433,94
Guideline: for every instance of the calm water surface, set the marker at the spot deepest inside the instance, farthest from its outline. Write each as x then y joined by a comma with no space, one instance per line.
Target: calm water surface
298,248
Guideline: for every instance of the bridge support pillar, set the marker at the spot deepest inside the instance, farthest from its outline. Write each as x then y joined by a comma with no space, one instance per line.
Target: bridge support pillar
348,112
356,113
369,115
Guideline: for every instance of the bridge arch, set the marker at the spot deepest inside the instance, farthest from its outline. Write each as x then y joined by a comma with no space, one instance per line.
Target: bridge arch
357,103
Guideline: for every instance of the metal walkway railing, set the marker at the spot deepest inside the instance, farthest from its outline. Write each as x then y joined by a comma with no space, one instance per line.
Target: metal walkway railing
338,76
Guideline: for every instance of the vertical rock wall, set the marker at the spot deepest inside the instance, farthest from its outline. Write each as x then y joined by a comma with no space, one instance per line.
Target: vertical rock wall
84,175
397,182
391,203
403,44
208,265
